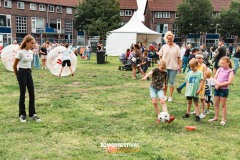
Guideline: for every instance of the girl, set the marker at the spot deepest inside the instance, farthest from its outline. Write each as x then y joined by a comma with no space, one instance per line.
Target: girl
43,52
159,77
138,57
223,77
236,60
208,90
66,59
24,57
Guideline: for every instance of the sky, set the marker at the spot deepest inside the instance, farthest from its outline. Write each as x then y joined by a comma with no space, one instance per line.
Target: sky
141,7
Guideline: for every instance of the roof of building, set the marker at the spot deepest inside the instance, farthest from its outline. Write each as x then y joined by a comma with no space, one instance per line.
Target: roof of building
128,4
171,5
70,3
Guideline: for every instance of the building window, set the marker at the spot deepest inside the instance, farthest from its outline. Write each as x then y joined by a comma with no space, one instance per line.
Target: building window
215,14
21,24
69,10
68,26
158,14
128,13
7,3
42,7
5,20
33,6
20,5
121,13
162,28
0,3
59,9
166,14
37,25
176,15
50,8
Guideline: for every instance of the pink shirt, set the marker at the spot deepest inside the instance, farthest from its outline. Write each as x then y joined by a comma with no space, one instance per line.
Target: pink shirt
223,76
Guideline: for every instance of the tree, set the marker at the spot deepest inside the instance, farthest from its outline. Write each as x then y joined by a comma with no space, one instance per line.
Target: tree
228,22
193,16
97,17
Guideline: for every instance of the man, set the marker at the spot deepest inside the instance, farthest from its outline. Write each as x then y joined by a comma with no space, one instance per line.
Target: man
171,53
221,52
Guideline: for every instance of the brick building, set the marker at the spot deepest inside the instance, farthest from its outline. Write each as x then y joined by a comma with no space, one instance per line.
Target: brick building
44,19
160,16
127,8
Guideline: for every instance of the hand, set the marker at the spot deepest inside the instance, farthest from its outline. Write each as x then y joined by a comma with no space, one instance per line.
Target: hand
59,61
144,78
180,70
163,87
198,91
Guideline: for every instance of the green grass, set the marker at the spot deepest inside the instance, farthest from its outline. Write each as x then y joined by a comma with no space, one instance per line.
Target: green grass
103,105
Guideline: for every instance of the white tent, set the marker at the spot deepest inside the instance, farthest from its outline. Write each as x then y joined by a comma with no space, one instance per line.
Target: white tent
119,40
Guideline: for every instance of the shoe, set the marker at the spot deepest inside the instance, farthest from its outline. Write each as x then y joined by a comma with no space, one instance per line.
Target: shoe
72,75
206,112
22,118
42,67
170,99
45,67
202,115
194,112
222,122
59,75
36,118
171,119
179,90
186,116
198,119
165,98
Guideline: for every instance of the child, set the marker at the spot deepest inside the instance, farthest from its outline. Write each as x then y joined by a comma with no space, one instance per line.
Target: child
144,64
208,90
223,77
202,68
159,77
24,58
194,81
66,59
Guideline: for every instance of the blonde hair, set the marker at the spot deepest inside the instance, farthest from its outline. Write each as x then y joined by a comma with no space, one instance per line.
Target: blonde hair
228,60
26,39
193,62
162,63
167,34
209,73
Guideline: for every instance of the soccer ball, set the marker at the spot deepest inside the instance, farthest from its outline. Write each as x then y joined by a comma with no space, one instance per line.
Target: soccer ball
163,116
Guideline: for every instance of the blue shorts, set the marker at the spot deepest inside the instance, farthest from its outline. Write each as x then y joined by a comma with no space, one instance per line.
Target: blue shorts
156,93
171,77
221,92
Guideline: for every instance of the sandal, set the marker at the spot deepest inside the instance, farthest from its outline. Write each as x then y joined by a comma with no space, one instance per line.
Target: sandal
223,122
212,120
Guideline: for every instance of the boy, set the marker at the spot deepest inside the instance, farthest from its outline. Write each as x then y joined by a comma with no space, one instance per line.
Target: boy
194,84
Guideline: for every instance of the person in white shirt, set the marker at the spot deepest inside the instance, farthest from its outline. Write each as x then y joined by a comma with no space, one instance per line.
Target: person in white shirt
24,58
66,59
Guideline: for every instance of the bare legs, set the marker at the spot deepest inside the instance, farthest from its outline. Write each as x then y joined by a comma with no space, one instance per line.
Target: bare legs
155,105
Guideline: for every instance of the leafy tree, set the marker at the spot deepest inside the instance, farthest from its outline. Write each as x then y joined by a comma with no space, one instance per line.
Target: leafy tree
97,17
194,16
228,22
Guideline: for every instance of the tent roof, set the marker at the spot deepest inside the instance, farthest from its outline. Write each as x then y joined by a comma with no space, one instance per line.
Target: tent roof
135,25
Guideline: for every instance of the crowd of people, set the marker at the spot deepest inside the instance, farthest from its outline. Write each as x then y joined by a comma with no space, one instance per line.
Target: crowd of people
206,73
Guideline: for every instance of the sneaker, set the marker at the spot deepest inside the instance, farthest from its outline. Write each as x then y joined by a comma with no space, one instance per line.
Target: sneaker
206,112
165,98
202,115
198,119
171,119
186,116
170,99
179,90
22,118
194,112
36,118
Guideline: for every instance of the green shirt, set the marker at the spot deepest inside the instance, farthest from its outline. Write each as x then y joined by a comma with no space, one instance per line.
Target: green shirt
193,80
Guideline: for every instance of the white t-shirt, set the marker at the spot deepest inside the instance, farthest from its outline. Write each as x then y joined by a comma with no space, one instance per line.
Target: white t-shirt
208,87
25,58
66,54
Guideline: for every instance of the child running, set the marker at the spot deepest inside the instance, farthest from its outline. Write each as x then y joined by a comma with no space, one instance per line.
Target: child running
194,81
159,77
223,78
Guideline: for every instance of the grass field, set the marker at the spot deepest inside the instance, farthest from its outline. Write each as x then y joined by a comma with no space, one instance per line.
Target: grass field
103,105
